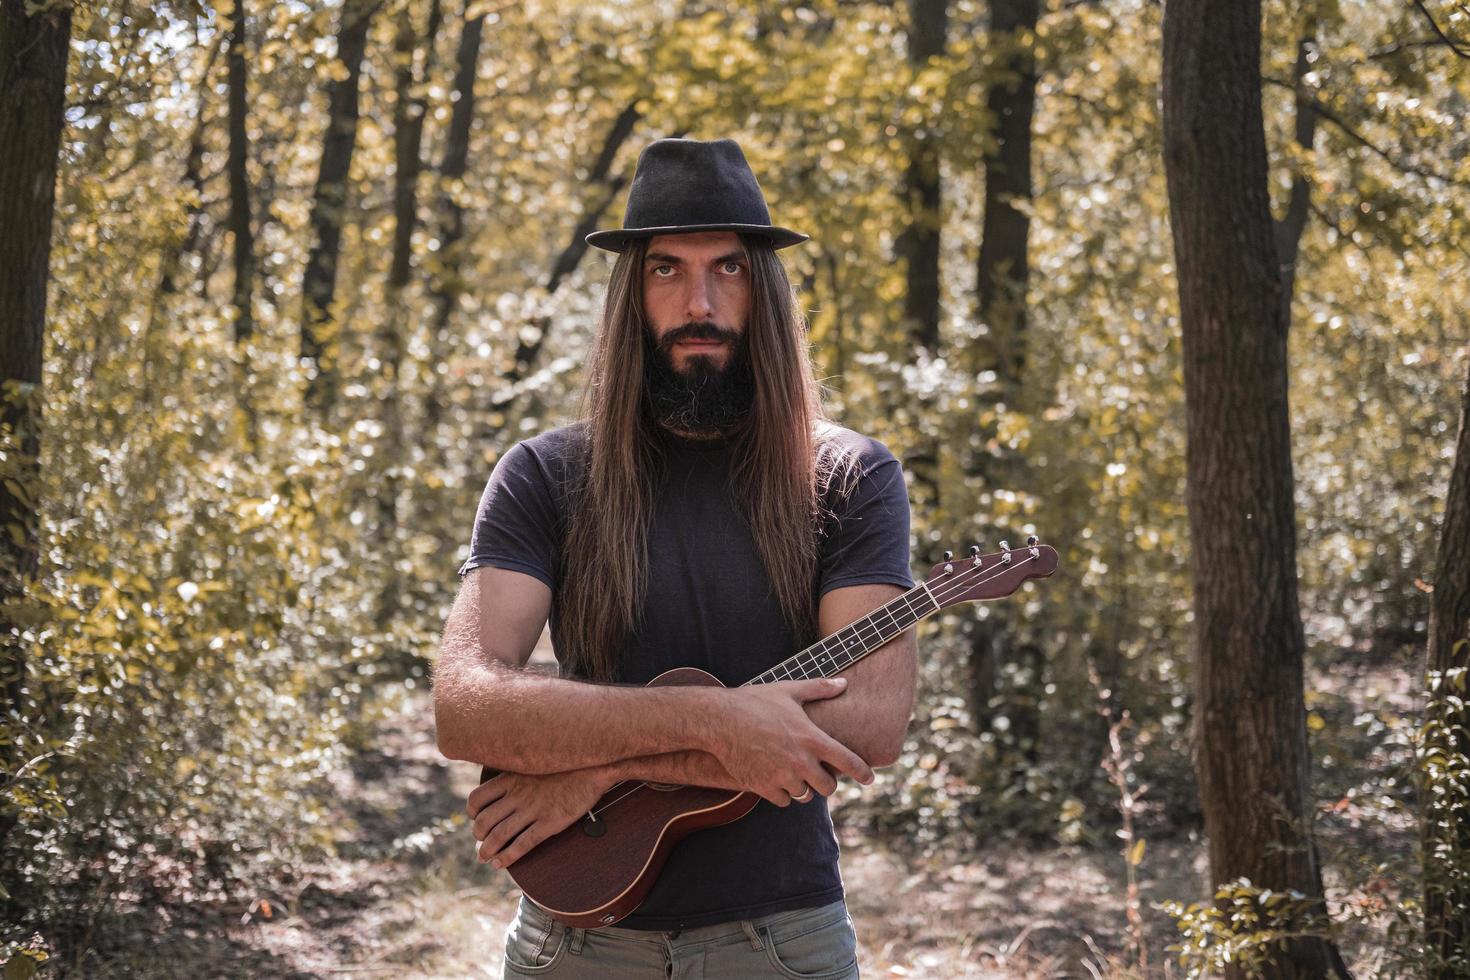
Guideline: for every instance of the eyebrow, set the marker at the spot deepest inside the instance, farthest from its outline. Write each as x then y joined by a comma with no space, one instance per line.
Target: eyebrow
664,258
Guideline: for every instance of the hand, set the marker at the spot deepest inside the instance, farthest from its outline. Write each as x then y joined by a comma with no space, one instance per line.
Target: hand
533,807
773,749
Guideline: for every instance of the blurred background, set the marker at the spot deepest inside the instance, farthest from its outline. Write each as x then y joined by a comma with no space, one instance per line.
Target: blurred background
314,267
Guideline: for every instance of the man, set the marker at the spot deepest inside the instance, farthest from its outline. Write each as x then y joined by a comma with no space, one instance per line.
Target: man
702,513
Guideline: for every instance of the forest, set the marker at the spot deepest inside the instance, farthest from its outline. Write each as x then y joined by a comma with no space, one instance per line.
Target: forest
1180,288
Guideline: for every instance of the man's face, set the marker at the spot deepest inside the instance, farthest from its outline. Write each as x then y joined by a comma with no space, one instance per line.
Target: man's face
696,295
692,282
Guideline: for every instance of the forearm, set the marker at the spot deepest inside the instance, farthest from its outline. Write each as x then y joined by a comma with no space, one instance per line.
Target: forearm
686,768
519,721
872,716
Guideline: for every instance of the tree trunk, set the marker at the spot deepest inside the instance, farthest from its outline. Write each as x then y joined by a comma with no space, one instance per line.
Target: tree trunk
237,163
1251,754
329,205
1001,682
1003,270
1289,228
409,110
447,283
1446,820
917,246
33,55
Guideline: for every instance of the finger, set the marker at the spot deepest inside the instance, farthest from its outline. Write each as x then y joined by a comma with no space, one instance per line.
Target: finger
796,788
521,845
819,688
821,781
492,815
847,762
777,797
502,835
483,795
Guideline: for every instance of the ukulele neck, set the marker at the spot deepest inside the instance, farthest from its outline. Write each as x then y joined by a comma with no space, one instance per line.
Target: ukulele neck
836,653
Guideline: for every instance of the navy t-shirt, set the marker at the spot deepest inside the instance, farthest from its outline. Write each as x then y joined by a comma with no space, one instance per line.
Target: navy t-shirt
710,605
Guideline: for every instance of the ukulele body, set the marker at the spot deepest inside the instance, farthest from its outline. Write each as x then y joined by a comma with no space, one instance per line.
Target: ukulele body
597,871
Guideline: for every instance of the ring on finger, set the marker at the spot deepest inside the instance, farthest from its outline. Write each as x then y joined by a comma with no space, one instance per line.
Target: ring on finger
804,797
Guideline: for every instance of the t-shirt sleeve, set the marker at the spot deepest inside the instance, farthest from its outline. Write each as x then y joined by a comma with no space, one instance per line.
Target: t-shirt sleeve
516,526
867,541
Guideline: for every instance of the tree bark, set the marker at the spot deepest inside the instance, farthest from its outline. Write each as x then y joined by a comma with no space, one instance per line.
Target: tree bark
33,53
918,244
999,658
447,283
237,163
329,205
1289,228
409,111
1446,821
1003,270
1251,754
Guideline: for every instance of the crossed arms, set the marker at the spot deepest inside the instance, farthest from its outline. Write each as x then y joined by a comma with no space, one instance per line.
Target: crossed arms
561,744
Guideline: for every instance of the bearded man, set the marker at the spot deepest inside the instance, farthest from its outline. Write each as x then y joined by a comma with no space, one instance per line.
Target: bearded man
703,512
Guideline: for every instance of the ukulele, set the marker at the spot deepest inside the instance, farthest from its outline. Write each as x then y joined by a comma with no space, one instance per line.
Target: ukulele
600,868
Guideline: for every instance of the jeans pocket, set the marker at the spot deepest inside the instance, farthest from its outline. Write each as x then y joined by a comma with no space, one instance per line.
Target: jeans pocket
534,943
818,946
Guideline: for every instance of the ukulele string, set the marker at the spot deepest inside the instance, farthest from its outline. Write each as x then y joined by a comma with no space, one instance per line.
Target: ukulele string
943,591
947,591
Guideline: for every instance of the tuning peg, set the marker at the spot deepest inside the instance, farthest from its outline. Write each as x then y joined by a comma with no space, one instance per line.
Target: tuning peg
974,551
1031,541
1004,546
948,555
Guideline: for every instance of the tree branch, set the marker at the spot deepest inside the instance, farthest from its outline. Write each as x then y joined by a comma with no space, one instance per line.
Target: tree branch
1322,109
1434,25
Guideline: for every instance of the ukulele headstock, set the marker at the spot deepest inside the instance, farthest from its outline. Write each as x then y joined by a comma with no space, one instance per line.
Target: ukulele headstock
979,577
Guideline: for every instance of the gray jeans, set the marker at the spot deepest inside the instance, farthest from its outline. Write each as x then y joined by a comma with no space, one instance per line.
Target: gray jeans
815,944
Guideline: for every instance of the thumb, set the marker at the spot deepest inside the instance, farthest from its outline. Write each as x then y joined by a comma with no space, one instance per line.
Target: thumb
821,687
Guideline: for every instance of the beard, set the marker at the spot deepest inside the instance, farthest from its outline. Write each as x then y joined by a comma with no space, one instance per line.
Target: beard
702,398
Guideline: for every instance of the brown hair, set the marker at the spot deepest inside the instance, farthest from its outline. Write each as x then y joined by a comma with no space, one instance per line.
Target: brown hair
783,463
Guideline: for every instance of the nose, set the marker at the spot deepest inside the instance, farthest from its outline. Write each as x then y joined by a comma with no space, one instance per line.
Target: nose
698,306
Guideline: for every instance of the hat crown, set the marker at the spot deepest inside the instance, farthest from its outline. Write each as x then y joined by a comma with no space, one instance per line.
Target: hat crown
685,185
694,182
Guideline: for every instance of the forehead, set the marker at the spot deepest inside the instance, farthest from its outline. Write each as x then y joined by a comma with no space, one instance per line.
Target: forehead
695,244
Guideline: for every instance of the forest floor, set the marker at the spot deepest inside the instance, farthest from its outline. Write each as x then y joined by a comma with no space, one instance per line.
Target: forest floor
405,897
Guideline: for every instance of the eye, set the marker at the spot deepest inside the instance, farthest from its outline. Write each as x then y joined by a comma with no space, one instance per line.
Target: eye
656,271
733,267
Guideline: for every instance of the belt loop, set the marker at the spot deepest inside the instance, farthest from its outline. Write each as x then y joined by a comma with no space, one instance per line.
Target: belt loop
752,935
578,935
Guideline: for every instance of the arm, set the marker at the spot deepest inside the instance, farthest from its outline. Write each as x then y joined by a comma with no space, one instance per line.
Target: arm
487,710
872,718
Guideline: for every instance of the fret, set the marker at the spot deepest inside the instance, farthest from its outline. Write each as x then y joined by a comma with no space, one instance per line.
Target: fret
835,653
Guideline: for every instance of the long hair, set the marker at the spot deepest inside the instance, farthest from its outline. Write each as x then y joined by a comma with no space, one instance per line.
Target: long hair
782,464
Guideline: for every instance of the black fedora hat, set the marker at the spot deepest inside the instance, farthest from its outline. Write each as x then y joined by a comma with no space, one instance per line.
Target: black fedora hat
683,185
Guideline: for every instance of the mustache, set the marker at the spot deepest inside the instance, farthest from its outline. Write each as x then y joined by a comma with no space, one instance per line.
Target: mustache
698,330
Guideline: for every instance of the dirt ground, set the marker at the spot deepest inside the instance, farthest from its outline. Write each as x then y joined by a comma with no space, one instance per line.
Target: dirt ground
407,899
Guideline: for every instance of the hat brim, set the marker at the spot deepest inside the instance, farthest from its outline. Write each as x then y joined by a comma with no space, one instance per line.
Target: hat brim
617,239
